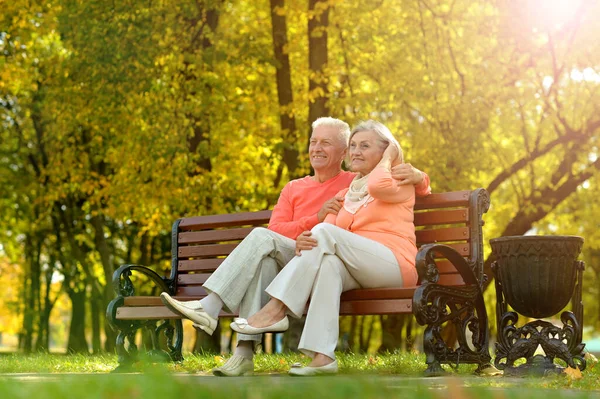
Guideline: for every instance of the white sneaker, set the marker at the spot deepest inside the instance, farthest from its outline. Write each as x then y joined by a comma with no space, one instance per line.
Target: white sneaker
201,319
331,368
235,366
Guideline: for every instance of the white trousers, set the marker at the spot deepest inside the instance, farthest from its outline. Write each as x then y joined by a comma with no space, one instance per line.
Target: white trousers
341,261
241,279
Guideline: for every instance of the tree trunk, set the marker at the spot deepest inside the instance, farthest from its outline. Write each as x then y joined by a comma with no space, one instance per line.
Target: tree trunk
285,97
96,307
318,22
33,247
43,339
391,332
199,141
410,341
101,299
352,333
291,338
26,335
208,343
77,342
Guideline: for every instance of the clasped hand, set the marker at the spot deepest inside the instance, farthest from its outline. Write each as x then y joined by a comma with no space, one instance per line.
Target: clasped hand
406,174
305,242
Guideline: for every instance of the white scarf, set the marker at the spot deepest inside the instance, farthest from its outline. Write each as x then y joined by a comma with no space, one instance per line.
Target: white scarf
357,195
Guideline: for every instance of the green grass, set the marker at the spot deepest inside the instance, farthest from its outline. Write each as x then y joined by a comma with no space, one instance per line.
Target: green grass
364,376
397,363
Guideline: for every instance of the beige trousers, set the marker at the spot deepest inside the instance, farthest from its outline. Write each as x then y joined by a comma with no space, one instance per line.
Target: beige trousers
241,279
341,261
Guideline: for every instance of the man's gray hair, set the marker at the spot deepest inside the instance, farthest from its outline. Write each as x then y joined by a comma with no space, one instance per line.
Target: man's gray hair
385,136
342,127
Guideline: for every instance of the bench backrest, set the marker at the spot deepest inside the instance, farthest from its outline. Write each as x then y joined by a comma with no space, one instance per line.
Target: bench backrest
199,244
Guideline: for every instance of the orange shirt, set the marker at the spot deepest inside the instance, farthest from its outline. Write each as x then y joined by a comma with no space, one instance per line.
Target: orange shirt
388,219
301,199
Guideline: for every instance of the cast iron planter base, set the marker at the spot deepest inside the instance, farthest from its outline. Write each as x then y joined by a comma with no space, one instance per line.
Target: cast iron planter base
556,342
537,276
536,366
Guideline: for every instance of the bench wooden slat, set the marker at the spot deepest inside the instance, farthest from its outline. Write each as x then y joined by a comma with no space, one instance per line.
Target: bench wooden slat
235,219
192,279
191,290
442,235
205,250
133,301
376,307
146,312
446,216
212,236
150,313
378,293
196,265
443,200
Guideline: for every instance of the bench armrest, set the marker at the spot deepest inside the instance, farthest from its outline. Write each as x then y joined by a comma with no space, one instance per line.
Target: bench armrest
428,270
123,286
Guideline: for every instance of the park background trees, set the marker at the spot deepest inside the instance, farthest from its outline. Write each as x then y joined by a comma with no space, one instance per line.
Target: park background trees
116,118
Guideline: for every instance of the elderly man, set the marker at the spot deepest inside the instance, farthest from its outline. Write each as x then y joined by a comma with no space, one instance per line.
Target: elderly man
240,281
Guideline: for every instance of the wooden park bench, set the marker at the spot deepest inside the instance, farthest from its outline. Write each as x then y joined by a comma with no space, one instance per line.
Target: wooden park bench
449,264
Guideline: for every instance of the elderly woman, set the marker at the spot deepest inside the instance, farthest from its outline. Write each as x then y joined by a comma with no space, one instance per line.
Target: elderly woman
370,243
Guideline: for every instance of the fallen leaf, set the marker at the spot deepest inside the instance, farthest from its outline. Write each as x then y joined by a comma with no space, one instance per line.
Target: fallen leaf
573,374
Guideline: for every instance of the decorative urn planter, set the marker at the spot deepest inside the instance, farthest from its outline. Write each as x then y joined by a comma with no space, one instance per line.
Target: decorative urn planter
537,276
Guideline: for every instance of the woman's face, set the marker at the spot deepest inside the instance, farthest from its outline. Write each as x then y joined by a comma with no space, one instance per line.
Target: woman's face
365,152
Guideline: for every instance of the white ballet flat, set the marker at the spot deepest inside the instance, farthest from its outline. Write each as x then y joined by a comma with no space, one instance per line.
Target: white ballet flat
241,326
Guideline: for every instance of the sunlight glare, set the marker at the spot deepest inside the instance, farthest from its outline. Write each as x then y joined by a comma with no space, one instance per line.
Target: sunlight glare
555,13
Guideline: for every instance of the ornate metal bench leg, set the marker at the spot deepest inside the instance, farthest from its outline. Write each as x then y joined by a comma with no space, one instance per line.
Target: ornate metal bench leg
127,357
434,368
176,344
436,306
173,331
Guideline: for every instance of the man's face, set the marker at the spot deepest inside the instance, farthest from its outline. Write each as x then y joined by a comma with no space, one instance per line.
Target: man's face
326,150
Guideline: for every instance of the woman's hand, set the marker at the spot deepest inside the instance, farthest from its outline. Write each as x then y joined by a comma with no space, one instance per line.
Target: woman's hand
391,152
305,242
389,157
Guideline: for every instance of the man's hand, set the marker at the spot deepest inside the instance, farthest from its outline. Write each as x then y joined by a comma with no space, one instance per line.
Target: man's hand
407,174
332,206
305,242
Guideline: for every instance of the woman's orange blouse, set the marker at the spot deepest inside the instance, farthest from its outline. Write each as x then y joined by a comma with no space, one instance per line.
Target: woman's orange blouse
388,219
